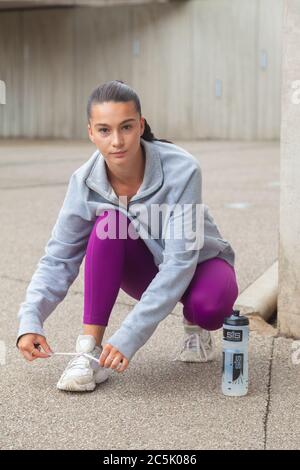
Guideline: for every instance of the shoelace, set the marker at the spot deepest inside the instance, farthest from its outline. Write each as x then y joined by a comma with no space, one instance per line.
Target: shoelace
74,354
196,341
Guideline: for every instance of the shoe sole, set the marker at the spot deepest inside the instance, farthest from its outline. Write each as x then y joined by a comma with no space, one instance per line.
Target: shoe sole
195,359
74,386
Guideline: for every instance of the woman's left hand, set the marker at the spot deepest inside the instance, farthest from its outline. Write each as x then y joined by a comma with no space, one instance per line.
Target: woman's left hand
111,357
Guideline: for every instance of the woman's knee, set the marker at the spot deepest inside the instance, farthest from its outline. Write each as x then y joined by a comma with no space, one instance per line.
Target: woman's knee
206,313
211,319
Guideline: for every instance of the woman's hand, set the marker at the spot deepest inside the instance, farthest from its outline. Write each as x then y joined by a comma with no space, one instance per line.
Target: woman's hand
30,346
111,357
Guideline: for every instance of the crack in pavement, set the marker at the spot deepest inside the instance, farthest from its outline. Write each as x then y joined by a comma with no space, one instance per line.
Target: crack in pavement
267,412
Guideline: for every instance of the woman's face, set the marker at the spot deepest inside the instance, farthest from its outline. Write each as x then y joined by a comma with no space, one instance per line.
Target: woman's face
116,127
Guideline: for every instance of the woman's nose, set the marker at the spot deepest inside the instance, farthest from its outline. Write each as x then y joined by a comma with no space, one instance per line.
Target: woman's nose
117,140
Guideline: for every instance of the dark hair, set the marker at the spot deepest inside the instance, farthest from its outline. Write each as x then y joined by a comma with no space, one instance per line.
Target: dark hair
118,91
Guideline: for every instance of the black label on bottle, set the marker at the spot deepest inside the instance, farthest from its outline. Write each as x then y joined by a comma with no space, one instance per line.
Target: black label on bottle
237,366
232,335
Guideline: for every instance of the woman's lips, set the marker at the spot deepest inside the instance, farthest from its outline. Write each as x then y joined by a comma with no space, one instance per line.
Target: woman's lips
119,154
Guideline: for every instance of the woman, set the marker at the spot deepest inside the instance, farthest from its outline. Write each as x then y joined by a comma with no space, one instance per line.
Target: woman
122,187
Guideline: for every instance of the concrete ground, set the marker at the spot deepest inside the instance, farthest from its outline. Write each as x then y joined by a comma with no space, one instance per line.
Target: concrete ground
157,403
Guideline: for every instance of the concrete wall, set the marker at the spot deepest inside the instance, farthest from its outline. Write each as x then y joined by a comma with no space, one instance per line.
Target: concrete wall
289,235
176,56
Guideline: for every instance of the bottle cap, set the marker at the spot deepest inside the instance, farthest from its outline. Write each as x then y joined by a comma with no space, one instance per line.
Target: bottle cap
235,319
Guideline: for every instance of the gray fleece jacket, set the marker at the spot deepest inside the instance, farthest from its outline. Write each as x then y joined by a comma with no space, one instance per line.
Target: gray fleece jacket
172,177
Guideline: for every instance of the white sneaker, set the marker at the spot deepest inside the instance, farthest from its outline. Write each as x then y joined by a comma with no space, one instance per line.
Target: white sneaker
198,345
82,374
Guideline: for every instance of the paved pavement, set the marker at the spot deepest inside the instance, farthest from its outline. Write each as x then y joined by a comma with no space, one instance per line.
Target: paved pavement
157,403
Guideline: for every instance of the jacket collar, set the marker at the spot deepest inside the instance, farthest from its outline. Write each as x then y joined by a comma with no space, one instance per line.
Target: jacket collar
153,175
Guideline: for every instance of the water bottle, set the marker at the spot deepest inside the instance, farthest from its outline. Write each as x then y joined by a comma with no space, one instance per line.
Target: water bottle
235,355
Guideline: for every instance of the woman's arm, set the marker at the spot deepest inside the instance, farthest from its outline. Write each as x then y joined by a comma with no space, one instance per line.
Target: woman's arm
60,265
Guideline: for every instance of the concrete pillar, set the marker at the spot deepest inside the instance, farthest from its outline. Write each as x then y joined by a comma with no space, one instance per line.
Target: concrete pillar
289,231
2,92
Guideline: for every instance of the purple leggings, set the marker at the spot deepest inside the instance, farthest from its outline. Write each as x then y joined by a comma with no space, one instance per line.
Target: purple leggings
111,264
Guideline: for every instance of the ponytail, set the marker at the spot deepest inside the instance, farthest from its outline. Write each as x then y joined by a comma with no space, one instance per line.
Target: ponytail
148,135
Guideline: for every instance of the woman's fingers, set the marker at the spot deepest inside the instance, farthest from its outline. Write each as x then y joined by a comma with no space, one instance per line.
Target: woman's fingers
26,348
45,346
123,366
35,353
111,357
27,356
116,361
105,353
30,347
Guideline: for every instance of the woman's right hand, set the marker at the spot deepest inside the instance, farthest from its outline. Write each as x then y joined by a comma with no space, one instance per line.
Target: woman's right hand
29,346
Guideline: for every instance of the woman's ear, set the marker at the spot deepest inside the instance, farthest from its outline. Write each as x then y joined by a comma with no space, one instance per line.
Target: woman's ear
90,132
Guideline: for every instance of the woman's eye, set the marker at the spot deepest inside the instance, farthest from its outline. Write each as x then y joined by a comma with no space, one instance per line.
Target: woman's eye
104,129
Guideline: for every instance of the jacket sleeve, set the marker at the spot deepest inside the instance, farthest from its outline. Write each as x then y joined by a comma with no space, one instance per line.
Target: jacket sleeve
59,266
166,289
